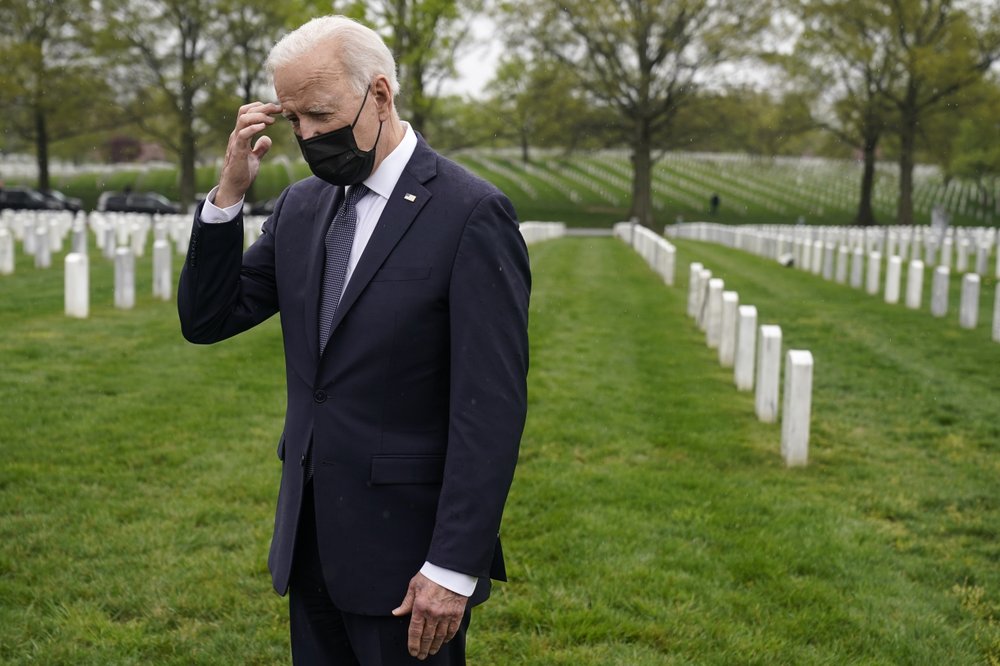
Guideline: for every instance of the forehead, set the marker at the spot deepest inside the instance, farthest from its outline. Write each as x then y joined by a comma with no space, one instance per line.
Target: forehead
309,80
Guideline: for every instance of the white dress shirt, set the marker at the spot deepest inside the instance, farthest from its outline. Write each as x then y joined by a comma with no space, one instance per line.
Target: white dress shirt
370,207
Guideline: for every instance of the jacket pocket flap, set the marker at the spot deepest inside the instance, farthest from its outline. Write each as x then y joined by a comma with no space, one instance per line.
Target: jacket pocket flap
388,469
401,273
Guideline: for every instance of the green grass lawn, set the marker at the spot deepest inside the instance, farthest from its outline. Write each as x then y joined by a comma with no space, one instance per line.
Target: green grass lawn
651,519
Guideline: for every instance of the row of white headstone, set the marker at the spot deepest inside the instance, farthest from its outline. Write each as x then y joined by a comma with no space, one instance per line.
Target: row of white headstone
966,249
658,252
756,359
731,328
836,263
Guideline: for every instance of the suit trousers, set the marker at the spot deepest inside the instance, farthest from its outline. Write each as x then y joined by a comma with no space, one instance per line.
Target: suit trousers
323,635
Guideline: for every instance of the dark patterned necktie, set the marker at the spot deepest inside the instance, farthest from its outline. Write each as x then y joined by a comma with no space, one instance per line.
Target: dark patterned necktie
339,240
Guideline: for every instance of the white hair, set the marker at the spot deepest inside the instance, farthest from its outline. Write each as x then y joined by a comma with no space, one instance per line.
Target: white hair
355,47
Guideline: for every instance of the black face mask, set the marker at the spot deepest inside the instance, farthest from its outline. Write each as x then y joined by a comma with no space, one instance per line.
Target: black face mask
335,157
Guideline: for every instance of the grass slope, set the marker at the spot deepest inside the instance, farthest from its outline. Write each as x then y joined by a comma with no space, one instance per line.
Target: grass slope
650,522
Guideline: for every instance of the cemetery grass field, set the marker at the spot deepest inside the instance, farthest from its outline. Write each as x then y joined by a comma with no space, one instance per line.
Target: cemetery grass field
651,520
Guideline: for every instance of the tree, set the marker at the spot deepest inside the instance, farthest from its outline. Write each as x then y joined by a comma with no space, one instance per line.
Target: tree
47,75
534,101
944,47
425,36
846,55
975,151
642,58
167,44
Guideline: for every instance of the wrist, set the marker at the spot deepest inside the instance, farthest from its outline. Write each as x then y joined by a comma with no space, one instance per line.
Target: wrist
224,198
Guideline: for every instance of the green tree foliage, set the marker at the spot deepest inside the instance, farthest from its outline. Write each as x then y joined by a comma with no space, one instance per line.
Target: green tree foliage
846,56
944,47
976,149
641,58
50,84
425,36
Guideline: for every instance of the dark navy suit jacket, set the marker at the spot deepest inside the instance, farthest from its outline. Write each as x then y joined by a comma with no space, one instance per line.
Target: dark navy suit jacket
416,408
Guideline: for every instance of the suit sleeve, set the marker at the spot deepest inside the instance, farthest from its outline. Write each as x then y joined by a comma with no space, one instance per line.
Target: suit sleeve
224,291
488,298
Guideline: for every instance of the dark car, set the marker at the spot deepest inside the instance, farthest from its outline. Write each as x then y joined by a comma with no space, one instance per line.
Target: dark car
67,203
136,202
25,198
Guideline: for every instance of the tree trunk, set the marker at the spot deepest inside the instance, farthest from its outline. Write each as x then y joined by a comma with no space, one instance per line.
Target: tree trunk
866,216
525,157
188,149
907,144
642,200
42,148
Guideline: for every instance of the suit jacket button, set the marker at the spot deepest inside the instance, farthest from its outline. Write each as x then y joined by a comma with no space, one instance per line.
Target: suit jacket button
319,396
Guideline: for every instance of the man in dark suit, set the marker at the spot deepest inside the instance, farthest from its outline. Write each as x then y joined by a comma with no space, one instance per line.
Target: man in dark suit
402,283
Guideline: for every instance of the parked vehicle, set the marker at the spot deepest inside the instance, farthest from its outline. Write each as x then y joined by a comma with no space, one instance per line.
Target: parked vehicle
67,203
136,202
25,198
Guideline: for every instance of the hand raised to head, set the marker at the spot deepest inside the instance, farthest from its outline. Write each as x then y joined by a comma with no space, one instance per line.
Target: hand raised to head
242,161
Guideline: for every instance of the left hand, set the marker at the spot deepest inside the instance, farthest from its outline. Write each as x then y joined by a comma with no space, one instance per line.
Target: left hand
436,615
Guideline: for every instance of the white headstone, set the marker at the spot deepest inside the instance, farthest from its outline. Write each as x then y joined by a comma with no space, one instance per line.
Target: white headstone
694,278
939,291
162,281
30,239
6,252
746,347
841,276
796,407
80,240
874,268
828,266
713,329
982,257
43,253
962,258
124,278
996,315
727,337
768,373
77,285
816,263
857,267
915,284
892,279
110,241
704,278
668,263
946,252
968,315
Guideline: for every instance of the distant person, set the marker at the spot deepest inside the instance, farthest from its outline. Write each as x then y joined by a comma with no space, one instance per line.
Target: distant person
402,281
713,203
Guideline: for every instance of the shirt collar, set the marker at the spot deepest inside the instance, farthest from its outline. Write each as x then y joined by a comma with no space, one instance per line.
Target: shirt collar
384,180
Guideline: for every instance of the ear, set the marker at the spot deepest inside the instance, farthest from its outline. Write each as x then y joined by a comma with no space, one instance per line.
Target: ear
382,94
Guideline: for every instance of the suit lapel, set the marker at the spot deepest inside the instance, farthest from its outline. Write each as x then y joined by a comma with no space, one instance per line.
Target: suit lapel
406,201
316,249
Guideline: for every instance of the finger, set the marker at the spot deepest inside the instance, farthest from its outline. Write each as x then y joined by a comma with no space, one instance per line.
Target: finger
259,106
262,146
414,635
407,605
453,628
440,638
426,640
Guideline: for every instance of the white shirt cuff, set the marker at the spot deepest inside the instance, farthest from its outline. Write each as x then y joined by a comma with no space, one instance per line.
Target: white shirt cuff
212,214
459,583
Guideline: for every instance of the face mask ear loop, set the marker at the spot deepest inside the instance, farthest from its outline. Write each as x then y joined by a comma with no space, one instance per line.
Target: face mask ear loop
362,107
